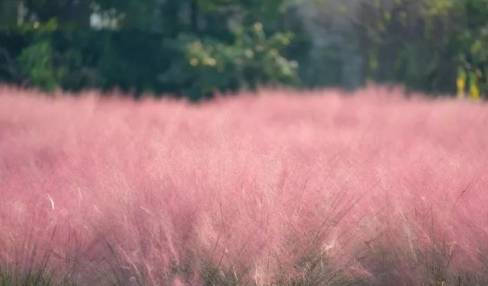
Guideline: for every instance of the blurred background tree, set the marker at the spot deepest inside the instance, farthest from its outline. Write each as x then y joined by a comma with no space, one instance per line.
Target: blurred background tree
196,47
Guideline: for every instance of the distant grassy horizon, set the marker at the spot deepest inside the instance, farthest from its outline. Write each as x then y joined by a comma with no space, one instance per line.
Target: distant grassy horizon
273,187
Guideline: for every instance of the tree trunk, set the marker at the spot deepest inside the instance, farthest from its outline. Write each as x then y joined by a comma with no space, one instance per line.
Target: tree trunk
194,16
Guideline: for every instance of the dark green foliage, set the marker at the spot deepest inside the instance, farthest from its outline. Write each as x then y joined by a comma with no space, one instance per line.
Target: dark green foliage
423,43
196,47
150,46
252,59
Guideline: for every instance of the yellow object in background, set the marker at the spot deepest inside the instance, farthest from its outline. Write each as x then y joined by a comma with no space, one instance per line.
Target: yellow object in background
461,83
468,80
474,90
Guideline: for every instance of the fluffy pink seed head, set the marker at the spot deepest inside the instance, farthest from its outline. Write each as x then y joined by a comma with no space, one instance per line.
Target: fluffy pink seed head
273,186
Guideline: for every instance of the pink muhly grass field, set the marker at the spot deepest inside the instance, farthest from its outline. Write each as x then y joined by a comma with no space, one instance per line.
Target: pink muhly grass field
269,188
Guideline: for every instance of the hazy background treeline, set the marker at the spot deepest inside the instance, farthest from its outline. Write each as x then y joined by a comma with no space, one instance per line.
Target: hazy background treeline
196,47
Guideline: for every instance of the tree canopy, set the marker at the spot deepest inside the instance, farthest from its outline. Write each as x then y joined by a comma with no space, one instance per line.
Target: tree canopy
196,47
